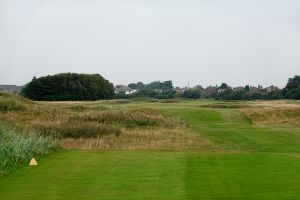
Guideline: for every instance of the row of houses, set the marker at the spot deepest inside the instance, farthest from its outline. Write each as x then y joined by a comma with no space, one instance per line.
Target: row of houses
127,90
209,90
216,89
259,88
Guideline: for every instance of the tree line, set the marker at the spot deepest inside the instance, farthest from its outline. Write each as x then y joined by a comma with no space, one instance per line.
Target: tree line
290,91
72,86
223,92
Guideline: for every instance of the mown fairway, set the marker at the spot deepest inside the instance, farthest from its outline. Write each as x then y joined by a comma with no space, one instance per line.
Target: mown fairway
156,175
243,161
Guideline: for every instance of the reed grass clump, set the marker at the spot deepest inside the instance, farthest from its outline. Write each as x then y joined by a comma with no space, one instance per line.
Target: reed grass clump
17,148
8,104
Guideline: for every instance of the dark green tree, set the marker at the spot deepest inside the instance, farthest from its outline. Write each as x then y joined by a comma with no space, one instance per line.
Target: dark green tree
132,86
69,86
292,88
140,86
192,93
224,86
154,85
247,88
167,86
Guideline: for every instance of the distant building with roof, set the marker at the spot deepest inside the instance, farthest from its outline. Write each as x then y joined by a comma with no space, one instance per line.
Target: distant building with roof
235,89
272,88
10,89
124,89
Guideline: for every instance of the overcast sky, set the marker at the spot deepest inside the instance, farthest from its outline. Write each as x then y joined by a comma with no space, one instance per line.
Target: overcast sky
188,41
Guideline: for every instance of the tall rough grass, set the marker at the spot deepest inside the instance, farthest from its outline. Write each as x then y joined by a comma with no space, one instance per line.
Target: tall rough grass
143,139
126,118
64,122
274,115
17,148
8,104
82,120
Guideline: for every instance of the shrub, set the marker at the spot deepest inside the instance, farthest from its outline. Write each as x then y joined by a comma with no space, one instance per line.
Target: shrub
69,86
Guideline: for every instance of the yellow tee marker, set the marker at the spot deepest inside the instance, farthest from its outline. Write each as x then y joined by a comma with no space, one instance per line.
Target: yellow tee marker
32,162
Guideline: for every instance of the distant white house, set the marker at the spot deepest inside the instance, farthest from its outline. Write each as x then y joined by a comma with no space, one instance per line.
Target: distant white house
221,90
124,89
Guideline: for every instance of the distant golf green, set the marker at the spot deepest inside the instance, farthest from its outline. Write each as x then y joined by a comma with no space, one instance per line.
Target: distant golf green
245,162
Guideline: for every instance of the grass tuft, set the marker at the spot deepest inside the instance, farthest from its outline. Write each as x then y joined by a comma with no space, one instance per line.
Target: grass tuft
9,102
17,148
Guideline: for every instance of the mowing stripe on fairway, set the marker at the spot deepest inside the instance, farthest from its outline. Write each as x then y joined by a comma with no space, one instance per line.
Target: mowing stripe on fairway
170,175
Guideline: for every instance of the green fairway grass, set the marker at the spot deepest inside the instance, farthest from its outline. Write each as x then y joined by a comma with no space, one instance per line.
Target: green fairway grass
244,161
77,174
232,130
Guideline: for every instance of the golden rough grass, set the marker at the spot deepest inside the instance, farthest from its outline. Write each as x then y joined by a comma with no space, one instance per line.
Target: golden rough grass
275,115
142,139
81,120
86,125
275,104
273,112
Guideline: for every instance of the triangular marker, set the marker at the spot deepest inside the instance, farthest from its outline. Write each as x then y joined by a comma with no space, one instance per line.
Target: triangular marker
33,162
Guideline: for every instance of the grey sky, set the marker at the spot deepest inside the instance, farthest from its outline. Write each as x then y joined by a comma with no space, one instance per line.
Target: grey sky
198,42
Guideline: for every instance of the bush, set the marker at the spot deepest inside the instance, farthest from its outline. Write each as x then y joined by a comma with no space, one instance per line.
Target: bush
69,86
